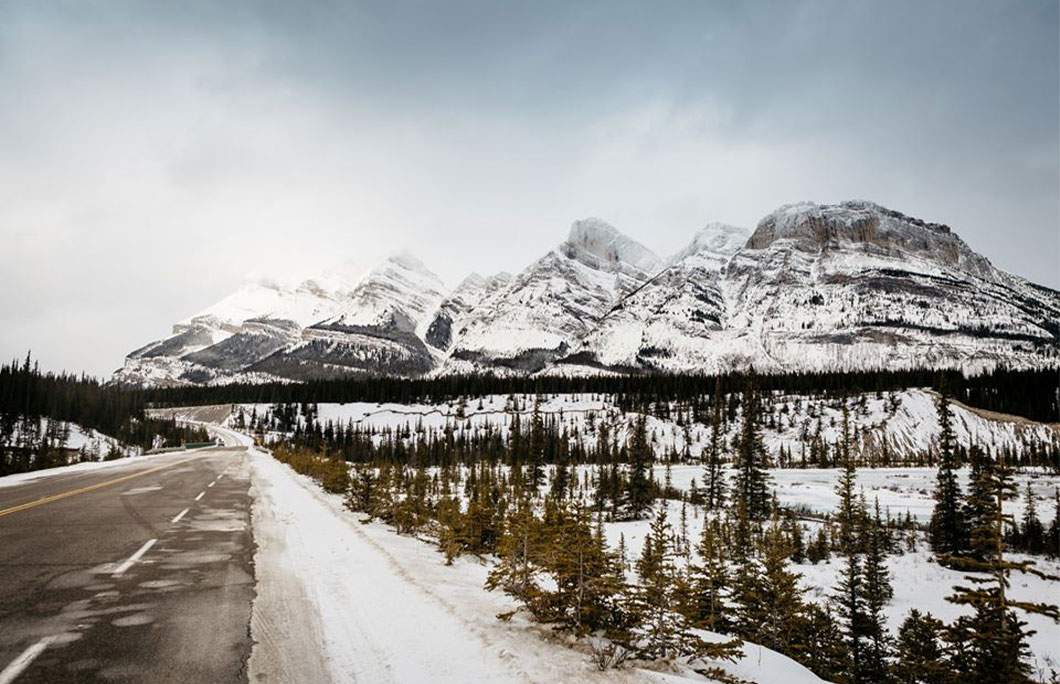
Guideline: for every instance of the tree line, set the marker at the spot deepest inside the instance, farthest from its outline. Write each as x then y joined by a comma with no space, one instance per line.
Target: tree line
36,409
1028,393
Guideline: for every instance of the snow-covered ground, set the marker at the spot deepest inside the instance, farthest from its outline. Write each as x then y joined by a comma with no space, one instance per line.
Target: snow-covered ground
92,443
899,490
378,607
918,581
903,423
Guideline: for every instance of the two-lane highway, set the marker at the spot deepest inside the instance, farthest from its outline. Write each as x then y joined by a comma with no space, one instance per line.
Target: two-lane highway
142,572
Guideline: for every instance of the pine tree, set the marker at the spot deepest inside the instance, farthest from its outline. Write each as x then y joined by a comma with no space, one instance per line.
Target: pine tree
919,652
991,643
711,581
662,631
752,480
948,529
714,477
639,489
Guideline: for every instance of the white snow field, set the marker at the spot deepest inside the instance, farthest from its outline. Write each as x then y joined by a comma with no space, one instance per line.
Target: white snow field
343,601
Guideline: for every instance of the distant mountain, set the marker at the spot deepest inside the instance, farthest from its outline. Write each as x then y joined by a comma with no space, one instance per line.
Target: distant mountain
545,311
814,287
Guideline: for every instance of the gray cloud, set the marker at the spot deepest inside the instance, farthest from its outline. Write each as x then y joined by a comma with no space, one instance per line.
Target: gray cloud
155,154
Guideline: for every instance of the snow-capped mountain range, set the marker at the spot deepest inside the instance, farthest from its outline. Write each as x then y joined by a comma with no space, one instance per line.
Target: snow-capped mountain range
814,287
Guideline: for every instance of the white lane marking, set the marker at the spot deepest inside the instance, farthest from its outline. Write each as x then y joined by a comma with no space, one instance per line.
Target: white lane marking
199,496
12,671
179,516
133,558
212,483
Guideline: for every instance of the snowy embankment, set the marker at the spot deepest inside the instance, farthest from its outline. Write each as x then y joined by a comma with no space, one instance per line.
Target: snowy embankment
344,601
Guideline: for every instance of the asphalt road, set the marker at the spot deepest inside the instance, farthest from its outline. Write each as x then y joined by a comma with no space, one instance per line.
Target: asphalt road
141,572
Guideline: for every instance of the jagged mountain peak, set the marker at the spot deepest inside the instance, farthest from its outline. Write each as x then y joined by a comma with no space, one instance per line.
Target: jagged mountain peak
720,239
599,244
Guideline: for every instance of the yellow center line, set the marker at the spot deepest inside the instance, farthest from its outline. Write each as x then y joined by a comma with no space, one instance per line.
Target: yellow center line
82,490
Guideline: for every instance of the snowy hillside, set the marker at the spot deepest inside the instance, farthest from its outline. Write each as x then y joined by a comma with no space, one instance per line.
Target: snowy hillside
75,442
815,287
898,427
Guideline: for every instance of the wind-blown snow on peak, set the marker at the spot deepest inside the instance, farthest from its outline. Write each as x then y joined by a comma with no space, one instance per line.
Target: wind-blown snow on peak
598,244
718,239
400,291
546,310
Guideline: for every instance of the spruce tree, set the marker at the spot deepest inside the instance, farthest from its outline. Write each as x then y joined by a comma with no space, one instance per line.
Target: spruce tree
1032,532
752,480
991,643
779,596
519,549
948,529
586,577
919,652
639,494
662,631
710,580
1052,536
536,476
714,477
822,644
878,594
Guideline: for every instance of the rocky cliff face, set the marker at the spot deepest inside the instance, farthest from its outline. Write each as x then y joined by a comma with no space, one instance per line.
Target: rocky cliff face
813,287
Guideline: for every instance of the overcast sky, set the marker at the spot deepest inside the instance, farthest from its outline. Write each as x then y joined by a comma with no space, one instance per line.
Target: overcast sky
154,155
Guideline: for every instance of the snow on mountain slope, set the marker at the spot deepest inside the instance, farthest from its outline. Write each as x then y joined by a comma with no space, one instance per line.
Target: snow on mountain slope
815,287
449,318
831,287
544,312
265,330
856,285
379,330
676,315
